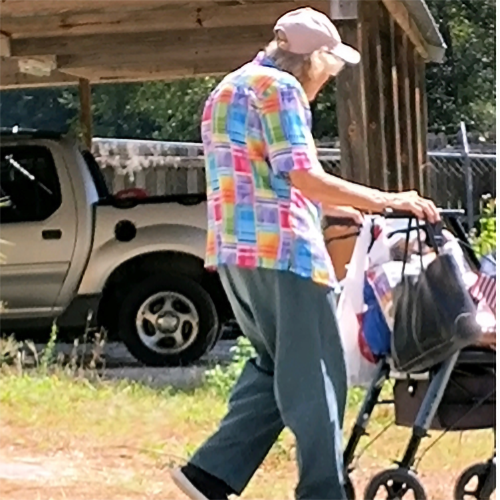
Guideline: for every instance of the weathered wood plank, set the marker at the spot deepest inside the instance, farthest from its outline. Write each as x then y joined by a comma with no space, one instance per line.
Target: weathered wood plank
165,71
150,17
421,107
167,60
4,45
404,122
20,8
386,99
373,88
140,43
401,15
85,93
396,176
342,10
351,110
16,79
412,118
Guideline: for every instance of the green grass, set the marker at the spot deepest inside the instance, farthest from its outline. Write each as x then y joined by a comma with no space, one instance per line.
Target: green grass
131,434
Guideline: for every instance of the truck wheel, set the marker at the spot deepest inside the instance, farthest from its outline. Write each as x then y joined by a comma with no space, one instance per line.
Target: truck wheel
168,320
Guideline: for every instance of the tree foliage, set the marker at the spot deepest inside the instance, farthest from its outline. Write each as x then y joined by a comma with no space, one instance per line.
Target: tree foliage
462,88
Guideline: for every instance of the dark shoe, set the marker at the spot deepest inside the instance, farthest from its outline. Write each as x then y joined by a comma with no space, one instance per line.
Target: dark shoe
198,484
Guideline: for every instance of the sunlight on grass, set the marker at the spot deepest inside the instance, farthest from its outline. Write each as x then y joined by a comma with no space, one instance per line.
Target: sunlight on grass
139,432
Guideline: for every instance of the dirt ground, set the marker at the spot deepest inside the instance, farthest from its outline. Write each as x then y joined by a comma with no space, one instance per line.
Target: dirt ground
84,471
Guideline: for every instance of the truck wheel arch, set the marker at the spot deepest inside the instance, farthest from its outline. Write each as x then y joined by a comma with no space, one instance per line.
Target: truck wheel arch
131,271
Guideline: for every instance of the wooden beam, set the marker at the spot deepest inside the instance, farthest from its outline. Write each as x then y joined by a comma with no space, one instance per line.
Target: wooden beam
402,17
374,88
396,177
412,118
15,79
351,110
4,45
139,43
404,122
387,98
421,118
165,59
172,69
10,77
343,10
37,66
85,93
27,8
156,17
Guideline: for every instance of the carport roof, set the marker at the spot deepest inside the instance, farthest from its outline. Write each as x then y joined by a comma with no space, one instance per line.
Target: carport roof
54,42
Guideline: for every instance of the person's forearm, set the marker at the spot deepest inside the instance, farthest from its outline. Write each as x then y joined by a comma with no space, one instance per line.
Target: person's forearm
331,190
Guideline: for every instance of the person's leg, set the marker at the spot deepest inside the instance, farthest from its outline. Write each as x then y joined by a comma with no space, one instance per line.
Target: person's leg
310,384
253,422
295,328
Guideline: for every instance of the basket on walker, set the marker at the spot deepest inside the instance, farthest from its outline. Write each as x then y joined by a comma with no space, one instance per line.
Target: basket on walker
418,308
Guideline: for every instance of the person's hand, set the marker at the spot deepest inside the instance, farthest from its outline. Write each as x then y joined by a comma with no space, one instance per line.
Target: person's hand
347,212
411,201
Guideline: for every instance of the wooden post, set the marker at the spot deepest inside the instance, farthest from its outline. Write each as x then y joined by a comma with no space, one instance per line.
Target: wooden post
396,180
404,94
387,103
86,111
351,112
351,118
421,111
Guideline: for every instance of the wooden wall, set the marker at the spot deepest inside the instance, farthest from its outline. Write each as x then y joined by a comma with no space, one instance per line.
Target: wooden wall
381,103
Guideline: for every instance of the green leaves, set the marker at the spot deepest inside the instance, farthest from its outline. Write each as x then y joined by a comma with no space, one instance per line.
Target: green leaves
484,241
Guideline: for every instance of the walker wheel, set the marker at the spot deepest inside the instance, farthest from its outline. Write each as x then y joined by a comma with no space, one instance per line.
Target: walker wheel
395,484
349,489
470,484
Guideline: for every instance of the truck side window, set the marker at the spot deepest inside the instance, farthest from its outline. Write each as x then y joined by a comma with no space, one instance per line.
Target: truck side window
29,184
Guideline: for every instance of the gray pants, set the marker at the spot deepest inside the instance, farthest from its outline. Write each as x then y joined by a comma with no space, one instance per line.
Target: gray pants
297,380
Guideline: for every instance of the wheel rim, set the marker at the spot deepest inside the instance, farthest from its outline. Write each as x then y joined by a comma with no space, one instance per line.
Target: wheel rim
167,322
395,485
396,490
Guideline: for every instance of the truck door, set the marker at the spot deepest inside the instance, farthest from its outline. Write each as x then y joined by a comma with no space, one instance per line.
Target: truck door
38,227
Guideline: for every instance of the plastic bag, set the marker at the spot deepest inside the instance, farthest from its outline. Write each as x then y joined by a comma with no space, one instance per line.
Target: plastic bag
360,362
375,328
435,314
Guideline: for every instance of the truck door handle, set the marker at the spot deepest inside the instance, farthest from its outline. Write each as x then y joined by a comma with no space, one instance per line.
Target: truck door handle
51,234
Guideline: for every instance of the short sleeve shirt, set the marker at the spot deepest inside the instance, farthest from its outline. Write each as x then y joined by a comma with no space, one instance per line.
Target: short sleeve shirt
256,129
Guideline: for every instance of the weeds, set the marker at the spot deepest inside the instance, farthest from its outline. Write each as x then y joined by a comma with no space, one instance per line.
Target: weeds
48,353
222,378
484,240
84,360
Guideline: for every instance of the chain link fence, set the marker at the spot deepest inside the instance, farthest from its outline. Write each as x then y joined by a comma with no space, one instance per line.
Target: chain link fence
446,175
176,168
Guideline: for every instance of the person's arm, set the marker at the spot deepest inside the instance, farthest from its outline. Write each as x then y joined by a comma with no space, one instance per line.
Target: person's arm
292,152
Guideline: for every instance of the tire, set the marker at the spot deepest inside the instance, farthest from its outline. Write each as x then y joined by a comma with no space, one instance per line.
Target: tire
349,489
168,320
480,472
396,483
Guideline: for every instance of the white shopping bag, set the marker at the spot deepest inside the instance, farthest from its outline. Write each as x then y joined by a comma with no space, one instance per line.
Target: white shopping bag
360,364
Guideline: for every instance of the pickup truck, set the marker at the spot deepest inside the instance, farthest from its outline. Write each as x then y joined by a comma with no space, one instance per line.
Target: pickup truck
74,252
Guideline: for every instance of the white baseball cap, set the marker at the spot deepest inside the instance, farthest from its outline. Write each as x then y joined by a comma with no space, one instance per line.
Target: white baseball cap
308,30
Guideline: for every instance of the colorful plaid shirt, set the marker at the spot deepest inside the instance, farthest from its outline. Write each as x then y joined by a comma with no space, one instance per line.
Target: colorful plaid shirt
256,128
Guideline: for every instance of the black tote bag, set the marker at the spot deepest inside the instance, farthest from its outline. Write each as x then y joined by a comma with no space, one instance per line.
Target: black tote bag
434,313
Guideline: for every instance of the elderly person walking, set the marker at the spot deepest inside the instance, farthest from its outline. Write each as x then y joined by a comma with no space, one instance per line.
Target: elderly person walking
266,195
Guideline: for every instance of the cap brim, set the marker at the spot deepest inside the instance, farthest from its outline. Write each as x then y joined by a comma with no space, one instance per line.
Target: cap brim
346,53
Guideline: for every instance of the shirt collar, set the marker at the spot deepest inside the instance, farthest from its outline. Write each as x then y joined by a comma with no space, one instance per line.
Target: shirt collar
262,60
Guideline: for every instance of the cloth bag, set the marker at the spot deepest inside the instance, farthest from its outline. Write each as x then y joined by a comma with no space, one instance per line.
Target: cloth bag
360,362
435,315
